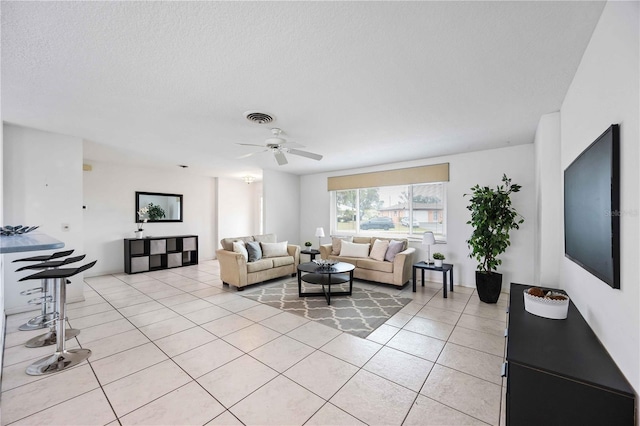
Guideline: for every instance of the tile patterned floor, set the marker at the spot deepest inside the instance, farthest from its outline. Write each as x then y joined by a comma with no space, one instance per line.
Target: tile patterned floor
176,347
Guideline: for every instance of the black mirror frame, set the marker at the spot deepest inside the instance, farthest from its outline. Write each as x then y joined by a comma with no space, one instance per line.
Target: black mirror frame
138,194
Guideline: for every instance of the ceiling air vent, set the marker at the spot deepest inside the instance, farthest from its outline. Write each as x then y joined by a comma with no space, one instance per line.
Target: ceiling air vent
258,117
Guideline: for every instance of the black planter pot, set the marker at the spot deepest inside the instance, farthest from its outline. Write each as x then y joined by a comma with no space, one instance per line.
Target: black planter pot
489,286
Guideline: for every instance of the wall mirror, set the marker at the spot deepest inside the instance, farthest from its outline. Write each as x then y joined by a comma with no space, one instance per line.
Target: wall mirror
159,207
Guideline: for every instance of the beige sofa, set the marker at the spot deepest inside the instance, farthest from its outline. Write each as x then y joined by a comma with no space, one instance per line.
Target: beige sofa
396,273
237,271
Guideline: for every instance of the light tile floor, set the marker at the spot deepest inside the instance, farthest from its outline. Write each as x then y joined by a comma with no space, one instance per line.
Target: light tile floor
176,347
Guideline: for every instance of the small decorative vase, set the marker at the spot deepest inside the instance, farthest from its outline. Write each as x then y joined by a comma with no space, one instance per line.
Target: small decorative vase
437,263
139,234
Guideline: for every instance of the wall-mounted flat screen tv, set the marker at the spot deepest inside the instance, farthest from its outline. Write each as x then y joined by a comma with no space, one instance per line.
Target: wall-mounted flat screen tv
592,208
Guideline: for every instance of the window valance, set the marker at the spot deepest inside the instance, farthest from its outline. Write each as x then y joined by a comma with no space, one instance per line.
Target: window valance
408,176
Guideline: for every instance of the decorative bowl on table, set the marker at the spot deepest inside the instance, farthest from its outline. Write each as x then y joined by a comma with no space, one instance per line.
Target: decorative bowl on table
325,263
546,304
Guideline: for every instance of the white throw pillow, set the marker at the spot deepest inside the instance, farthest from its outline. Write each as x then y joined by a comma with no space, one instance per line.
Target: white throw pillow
379,249
354,250
336,244
238,247
274,249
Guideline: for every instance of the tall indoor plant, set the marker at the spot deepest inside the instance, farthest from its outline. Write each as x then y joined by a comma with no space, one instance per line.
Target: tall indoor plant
492,218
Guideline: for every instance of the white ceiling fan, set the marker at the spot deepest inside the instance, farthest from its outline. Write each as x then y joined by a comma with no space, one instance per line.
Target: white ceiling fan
279,146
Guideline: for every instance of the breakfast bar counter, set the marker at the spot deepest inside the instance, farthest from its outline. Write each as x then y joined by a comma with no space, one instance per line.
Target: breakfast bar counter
28,242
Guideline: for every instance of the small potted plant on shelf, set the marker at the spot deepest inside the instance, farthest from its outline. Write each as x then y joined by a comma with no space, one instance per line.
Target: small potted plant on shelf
492,218
437,259
308,244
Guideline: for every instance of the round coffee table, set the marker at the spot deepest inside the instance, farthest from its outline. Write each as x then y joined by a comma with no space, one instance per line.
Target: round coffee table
339,273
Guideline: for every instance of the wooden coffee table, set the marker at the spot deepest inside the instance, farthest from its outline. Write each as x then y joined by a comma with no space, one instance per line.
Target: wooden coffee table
340,273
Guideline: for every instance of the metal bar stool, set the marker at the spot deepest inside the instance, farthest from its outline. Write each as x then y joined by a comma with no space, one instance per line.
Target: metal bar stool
50,337
46,313
61,358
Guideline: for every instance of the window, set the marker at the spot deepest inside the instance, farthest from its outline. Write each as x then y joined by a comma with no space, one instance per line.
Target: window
402,209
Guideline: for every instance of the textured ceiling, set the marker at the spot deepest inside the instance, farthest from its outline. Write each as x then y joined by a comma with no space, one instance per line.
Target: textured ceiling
361,83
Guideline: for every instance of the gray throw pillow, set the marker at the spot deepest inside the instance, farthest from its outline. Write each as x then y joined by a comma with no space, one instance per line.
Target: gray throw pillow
395,247
254,250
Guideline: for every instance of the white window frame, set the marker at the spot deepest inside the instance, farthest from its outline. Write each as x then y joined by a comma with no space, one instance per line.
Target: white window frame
410,234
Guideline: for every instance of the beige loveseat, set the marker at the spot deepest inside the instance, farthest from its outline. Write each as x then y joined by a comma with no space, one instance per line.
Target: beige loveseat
397,272
236,270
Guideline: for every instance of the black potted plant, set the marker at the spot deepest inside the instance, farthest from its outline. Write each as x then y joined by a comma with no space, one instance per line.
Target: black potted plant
492,218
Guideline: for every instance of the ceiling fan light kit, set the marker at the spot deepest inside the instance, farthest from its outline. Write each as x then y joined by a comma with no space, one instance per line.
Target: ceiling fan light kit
279,146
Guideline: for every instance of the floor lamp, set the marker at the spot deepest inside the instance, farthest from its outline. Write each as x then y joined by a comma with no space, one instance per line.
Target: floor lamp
319,234
428,240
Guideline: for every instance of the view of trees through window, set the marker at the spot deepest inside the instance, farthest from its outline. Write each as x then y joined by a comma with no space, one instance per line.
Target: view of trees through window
406,209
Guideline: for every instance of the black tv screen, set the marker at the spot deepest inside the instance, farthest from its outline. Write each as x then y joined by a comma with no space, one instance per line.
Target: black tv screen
592,208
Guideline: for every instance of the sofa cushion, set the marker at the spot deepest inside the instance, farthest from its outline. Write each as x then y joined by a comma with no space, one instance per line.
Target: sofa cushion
238,247
354,250
394,248
336,244
374,265
362,240
379,249
282,261
274,249
265,238
254,250
227,243
260,265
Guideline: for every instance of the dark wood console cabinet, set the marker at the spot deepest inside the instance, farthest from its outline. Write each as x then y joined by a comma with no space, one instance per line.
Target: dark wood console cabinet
558,372
155,253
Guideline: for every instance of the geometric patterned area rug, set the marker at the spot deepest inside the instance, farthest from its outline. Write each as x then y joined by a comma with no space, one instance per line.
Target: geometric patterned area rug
359,314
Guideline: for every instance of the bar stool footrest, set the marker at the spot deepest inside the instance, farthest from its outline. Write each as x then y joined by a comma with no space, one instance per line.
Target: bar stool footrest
36,323
31,291
40,300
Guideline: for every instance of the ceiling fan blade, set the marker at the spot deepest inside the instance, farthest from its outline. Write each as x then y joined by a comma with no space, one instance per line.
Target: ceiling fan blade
251,153
280,158
292,144
249,144
305,154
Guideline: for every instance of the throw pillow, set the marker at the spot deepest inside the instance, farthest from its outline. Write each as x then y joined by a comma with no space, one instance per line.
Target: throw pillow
354,250
336,244
254,250
395,247
265,238
238,247
379,249
274,249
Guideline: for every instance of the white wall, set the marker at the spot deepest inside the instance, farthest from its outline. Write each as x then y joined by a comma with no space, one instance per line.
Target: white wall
605,90
109,194
2,312
236,209
548,232
42,186
282,212
466,170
